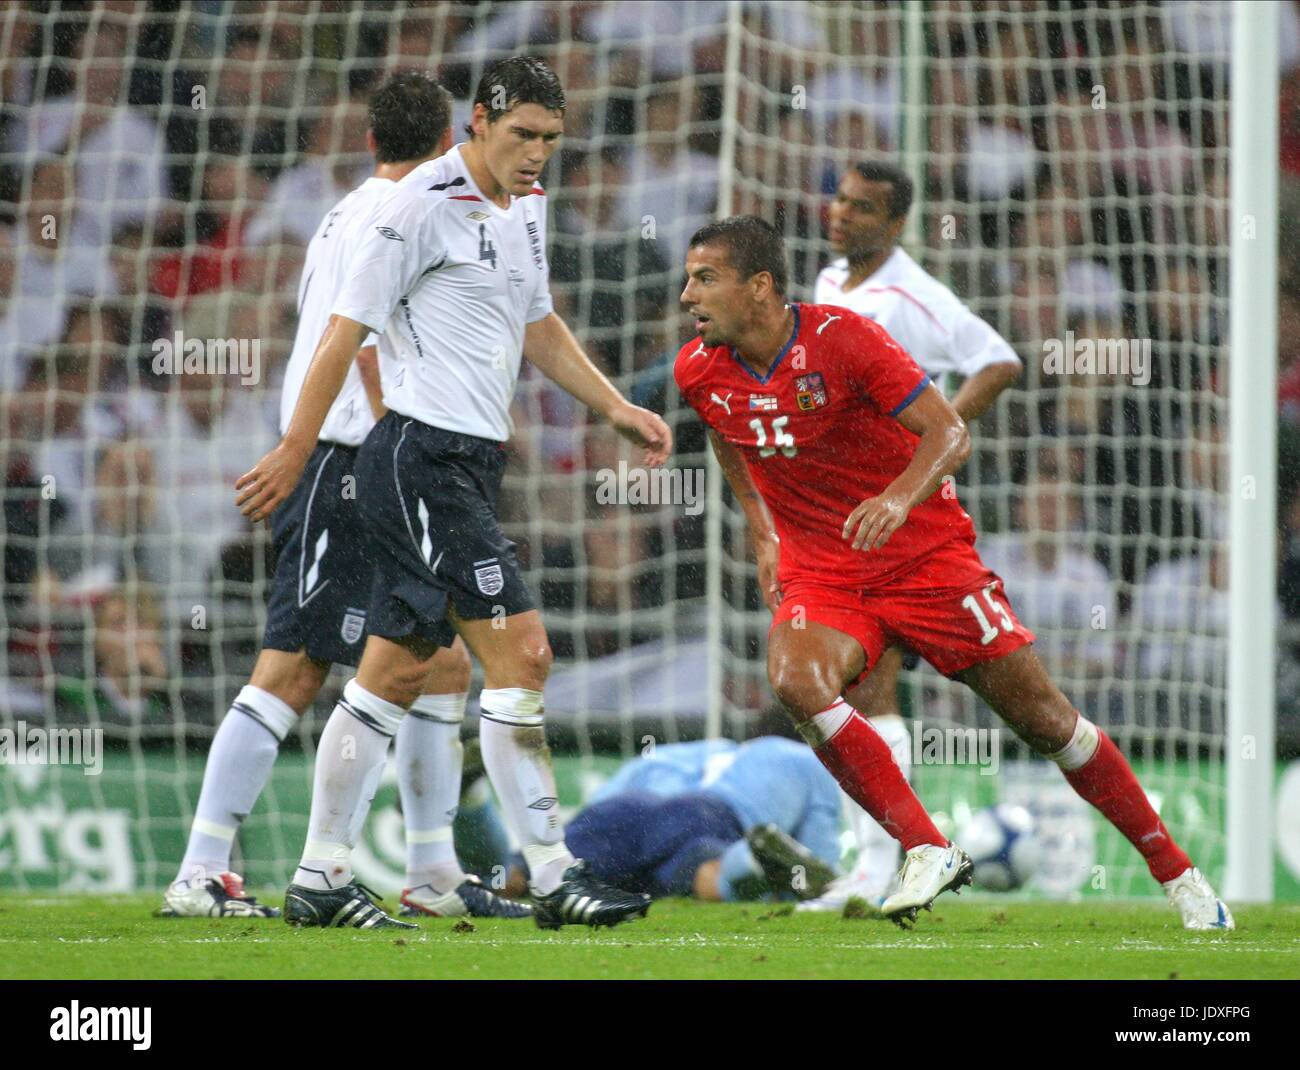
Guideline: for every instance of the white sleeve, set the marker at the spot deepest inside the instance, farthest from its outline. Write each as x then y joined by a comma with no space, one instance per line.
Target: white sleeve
542,305
823,294
974,345
396,245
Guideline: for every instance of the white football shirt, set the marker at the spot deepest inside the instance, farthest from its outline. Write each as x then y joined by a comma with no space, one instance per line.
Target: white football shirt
329,256
925,317
450,280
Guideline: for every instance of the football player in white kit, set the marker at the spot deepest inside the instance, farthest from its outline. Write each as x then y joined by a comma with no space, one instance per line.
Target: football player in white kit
875,278
316,612
452,271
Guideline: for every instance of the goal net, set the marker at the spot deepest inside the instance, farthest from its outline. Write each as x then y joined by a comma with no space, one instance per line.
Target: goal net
164,165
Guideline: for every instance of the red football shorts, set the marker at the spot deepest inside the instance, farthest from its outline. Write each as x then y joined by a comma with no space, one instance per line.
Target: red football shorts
951,609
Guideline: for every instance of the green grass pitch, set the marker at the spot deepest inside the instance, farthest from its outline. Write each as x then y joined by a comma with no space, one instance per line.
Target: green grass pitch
116,937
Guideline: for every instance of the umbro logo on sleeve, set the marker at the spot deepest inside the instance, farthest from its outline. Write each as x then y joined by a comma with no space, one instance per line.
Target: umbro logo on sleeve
389,232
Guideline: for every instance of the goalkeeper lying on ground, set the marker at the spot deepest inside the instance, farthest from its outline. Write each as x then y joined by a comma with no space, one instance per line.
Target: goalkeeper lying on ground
716,819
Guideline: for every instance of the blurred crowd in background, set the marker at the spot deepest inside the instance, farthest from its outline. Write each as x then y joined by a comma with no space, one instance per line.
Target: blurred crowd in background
163,165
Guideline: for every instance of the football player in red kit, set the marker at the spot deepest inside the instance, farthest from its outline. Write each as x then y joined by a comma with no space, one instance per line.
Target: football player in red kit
836,446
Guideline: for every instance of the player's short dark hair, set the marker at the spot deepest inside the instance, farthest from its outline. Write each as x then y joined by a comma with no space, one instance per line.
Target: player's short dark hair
518,80
753,245
409,113
900,184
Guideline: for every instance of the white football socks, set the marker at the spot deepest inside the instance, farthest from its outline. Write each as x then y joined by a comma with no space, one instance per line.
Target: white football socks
354,743
878,851
429,754
519,765
238,767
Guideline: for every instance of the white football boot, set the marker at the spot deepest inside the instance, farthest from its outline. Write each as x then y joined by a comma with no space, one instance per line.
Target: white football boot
1200,908
216,897
927,872
856,884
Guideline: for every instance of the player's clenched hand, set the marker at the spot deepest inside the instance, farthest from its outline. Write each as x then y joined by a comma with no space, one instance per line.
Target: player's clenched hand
645,428
767,552
264,486
872,523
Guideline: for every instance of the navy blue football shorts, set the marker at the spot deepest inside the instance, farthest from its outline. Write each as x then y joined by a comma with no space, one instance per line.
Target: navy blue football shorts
321,586
429,499
652,843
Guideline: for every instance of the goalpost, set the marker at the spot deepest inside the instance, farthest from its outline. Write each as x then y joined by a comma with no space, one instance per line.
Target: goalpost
1252,625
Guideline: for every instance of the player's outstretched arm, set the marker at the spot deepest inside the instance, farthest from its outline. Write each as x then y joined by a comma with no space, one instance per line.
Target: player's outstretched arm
550,347
272,479
944,447
767,545
978,392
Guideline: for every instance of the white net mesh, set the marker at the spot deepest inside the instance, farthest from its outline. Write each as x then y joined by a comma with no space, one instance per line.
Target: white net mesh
1072,177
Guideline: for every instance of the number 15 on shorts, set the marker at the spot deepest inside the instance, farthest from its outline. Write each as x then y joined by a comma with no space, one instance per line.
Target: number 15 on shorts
990,631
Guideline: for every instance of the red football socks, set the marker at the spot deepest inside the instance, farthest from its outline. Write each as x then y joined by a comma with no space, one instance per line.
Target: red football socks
1108,782
860,760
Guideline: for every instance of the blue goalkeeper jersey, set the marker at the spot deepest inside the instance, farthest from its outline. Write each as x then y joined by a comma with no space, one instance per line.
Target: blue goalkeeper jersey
670,768
764,781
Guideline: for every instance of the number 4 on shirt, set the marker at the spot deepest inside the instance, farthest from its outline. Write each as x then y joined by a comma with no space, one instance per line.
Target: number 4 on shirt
486,250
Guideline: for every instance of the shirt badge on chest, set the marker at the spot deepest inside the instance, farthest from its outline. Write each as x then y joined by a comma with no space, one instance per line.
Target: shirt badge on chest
810,391
763,402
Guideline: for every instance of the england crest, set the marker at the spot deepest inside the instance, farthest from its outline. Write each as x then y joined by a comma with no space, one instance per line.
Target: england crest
488,577
810,391
354,624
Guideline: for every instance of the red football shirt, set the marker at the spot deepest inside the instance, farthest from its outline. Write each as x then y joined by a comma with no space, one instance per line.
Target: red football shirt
820,434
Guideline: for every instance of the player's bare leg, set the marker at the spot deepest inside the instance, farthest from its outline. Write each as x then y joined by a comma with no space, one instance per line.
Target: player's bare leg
1019,690
877,694
808,667
282,687
516,658
293,678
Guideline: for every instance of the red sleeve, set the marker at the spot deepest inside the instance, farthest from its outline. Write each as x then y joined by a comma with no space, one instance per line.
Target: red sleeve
878,367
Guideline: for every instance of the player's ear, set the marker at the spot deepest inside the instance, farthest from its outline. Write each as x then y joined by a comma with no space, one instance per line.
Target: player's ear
478,120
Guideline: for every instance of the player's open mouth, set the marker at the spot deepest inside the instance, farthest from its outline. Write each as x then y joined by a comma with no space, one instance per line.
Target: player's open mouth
701,322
